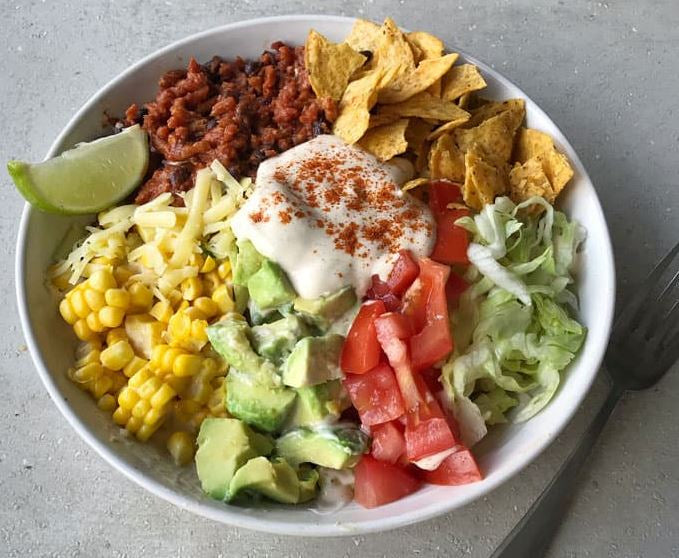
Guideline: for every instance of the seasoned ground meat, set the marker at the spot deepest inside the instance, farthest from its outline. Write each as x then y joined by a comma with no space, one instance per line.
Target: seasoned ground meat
240,112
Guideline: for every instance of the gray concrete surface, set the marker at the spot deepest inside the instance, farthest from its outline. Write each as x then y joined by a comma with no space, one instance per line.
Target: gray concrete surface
606,72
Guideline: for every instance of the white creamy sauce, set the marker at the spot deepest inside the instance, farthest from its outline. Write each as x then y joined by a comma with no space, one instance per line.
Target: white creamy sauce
432,462
332,215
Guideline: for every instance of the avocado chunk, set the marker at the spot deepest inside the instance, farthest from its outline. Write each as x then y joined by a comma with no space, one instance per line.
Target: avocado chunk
314,360
230,337
248,262
308,483
338,447
224,445
323,311
276,340
259,404
269,287
275,479
240,297
322,403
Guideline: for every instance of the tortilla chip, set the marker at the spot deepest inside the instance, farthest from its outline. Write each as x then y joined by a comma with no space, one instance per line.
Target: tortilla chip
410,83
416,135
493,137
354,108
417,51
425,105
465,100
414,183
483,180
329,65
492,108
529,179
380,119
384,142
535,144
446,128
460,80
393,55
428,45
365,35
446,160
435,88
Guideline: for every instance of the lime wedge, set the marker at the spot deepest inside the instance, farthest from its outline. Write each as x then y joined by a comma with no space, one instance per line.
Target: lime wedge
88,178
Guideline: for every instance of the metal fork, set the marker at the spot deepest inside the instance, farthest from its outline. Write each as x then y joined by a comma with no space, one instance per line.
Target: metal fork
644,345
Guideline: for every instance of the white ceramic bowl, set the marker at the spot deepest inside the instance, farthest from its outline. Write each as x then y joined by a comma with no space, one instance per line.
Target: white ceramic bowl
502,454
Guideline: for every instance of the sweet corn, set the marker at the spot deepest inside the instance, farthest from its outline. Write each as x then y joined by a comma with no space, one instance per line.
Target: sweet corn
181,447
107,403
94,323
196,260
186,365
92,357
118,298
141,297
122,274
224,270
102,280
67,312
84,348
117,356
111,316
191,288
134,366
79,304
223,299
175,297
115,335
94,299
87,373
208,265
207,306
83,331
184,409
162,311
101,385
211,282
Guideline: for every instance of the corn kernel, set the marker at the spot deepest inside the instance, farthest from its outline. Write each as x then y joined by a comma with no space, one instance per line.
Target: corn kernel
134,424
186,365
140,377
101,385
175,297
199,331
208,265
121,416
88,372
162,311
224,269
119,298
83,331
223,299
79,304
119,382
157,355
117,356
154,415
179,327
122,274
181,448
145,431
207,306
132,367
115,335
185,409
191,288
196,260
211,282
149,387
94,323
168,358
141,297
67,312
94,299
111,316
102,280
141,408
128,398
107,403
200,390
90,358
178,384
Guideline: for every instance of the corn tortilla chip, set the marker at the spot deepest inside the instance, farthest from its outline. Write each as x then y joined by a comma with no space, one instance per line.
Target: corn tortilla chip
529,179
410,83
464,102
330,65
386,141
492,108
393,55
414,183
533,143
446,160
417,51
483,181
425,105
354,108
416,135
446,128
380,119
461,79
494,136
429,46
364,35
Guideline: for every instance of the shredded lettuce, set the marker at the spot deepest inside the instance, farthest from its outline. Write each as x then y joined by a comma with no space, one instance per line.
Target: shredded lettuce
513,331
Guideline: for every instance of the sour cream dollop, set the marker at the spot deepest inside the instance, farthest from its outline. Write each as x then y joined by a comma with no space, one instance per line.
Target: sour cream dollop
331,215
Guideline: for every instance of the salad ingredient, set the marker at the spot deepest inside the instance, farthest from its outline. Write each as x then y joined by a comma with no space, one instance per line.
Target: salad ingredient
459,467
388,443
88,178
325,310
378,483
225,445
361,349
276,340
314,360
324,205
375,395
275,479
336,447
319,404
269,287
515,334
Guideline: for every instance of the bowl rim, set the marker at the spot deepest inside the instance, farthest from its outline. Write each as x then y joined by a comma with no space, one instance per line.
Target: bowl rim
231,515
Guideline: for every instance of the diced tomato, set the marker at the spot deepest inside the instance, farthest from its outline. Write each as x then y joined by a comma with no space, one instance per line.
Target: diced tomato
361,350
414,304
451,241
427,430
375,395
455,286
404,272
442,193
388,443
434,341
432,379
380,290
393,331
458,468
377,483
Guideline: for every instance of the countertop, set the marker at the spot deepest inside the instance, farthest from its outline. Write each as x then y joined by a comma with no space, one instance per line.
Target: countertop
606,72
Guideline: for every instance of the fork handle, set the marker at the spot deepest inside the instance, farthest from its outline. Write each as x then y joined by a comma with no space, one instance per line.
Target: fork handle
533,534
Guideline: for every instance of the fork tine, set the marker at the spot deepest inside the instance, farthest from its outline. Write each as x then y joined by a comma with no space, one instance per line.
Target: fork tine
668,333
638,304
655,315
